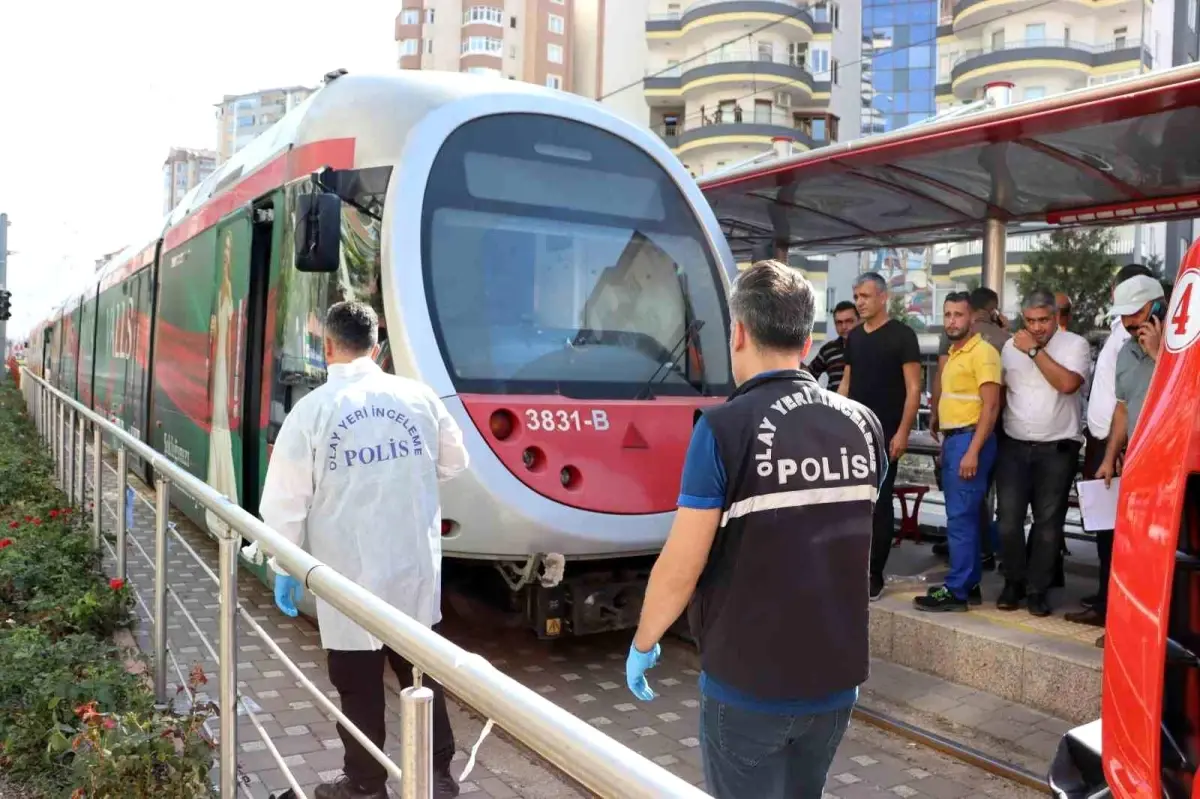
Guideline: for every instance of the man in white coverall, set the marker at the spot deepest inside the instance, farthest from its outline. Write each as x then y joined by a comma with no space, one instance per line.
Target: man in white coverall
354,478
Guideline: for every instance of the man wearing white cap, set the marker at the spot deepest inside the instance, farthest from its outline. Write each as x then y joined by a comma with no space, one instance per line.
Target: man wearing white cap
1101,406
1142,307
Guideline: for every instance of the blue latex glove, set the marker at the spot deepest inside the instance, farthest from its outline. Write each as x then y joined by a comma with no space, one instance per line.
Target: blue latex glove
288,592
635,671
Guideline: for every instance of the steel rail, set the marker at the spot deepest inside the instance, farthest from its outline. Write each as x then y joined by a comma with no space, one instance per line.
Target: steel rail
950,748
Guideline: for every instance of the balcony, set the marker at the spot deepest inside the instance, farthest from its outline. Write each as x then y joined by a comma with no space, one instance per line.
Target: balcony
791,16
691,134
974,69
737,66
970,14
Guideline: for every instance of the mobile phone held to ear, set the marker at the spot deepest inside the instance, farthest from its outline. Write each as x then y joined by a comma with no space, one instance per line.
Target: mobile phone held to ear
1159,310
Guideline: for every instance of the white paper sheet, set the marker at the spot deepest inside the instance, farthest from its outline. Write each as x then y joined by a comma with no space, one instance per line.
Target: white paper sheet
1098,504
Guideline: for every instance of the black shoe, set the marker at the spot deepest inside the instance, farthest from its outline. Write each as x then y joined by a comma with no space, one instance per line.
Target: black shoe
974,596
941,549
1090,601
444,786
1090,616
1011,596
940,600
1038,605
876,587
988,563
342,788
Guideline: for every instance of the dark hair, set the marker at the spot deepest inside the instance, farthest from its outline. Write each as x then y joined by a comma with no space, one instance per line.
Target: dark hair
1132,270
353,326
845,305
984,299
1040,298
957,296
776,304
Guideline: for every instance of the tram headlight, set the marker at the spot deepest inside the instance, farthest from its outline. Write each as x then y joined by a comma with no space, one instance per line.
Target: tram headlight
502,424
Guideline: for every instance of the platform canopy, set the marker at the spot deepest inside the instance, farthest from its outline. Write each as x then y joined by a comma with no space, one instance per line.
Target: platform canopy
1125,151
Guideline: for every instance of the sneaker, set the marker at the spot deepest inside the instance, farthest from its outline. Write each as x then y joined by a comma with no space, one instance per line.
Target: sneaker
1011,596
1088,615
876,587
974,597
1038,605
939,601
342,788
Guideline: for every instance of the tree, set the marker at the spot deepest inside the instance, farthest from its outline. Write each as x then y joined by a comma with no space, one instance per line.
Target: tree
898,310
1077,263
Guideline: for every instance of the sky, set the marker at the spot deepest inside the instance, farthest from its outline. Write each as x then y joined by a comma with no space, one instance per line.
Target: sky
94,95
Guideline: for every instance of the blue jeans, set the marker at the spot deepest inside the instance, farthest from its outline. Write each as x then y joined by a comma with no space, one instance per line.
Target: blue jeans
751,755
963,501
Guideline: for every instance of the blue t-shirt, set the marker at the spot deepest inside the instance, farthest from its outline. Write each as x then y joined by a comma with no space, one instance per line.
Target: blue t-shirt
703,488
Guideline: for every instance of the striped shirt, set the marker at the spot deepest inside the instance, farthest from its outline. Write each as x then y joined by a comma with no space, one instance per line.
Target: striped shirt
830,360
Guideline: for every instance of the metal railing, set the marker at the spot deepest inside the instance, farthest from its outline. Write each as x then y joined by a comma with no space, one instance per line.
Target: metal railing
1047,41
592,758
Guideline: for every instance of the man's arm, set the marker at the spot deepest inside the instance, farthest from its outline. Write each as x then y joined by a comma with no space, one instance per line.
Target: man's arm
911,366
844,386
1067,377
288,489
452,453
936,394
677,570
675,574
1116,443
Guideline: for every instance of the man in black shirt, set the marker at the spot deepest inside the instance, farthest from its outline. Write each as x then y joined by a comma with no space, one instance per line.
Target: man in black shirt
883,372
830,360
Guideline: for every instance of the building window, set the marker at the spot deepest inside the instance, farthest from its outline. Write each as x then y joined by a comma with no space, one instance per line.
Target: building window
485,45
1067,35
1035,35
1191,7
1033,93
763,111
428,46
490,16
997,40
410,46
557,24
429,16
410,16
554,53
557,2
820,61
554,82
833,71
512,22
1120,36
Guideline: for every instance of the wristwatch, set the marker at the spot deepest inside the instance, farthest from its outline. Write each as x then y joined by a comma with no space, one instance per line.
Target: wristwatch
1033,351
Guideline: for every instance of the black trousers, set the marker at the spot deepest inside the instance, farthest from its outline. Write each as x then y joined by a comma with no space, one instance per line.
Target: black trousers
884,531
1093,457
1038,475
358,677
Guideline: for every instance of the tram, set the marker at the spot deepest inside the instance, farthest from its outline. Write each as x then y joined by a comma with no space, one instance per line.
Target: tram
551,270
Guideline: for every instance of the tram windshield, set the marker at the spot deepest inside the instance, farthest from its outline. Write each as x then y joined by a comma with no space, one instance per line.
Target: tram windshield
560,258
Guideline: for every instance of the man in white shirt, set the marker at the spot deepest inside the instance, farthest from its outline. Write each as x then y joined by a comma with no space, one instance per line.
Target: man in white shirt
1044,369
1101,405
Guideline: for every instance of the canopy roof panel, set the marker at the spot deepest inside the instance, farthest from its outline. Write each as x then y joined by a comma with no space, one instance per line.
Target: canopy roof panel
1126,150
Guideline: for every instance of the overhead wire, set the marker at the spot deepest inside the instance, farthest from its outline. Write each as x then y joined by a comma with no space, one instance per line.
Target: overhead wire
795,82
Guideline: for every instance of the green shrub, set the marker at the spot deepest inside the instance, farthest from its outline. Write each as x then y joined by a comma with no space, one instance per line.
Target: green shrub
73,720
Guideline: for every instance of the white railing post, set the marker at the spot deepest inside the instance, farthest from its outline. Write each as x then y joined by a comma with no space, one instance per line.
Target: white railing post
416,740
122,488
97,483
227,572
161,509
80,465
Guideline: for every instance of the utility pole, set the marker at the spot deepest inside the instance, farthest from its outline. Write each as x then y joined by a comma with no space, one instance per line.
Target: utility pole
4,295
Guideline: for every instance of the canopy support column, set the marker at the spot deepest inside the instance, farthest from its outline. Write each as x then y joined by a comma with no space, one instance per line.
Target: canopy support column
995,256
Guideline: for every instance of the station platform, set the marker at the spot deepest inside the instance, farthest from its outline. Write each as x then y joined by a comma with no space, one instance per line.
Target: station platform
1048,664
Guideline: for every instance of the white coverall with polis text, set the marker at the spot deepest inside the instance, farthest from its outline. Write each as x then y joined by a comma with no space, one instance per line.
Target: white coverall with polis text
353,479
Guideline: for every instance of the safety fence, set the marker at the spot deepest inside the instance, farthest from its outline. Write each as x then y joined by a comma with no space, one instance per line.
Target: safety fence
599,763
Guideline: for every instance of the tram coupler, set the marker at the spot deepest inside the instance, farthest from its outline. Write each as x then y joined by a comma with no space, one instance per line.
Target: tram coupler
590,602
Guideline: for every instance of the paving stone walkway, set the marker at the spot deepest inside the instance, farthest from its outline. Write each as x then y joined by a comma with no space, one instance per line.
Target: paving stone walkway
585,676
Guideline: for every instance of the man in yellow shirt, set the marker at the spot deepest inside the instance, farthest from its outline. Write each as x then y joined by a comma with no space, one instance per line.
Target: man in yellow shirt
967,410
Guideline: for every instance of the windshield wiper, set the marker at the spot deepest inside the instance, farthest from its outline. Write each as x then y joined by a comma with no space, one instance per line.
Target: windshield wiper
688,332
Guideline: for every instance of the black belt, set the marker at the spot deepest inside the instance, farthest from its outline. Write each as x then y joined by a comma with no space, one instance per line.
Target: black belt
954,431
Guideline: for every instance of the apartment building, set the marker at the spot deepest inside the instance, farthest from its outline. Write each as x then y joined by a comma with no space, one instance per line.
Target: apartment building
241,117
529,40
182,171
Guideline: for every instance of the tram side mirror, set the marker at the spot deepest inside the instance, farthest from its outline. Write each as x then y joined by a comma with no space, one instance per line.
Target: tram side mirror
318,232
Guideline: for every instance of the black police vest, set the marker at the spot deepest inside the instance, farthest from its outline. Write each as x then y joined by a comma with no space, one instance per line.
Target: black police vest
780,612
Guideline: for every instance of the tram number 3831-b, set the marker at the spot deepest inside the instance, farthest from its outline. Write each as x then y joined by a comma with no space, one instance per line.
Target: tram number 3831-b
564,421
